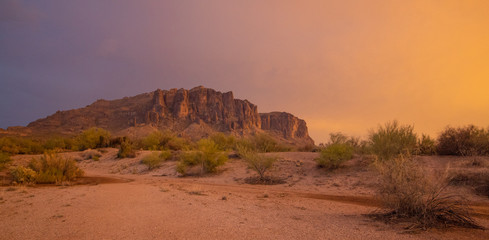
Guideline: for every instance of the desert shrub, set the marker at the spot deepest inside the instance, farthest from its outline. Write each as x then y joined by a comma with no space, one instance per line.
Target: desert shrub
57,143
257,162
392,139
207,158
154,159
92,138
464,141
126,150
426,145
23,175
243,143
307,148
224,142
262,142
359,146
333,155
409,195
20,145
266,143
164,141
52,168
4,160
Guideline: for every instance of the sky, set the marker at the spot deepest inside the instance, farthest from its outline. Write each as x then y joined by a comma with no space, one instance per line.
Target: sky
342,66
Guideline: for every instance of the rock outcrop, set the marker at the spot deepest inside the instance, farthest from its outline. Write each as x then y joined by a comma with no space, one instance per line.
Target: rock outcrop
286,126
182,111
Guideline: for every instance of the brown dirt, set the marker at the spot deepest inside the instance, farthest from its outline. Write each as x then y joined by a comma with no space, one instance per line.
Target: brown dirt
121,199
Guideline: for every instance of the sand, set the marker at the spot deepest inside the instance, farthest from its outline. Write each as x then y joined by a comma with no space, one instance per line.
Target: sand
120,199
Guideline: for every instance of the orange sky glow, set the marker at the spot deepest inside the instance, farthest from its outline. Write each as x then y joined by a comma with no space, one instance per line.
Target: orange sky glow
343,66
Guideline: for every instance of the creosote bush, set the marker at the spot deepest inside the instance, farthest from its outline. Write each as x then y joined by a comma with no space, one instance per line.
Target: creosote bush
333,155
164,141
405,190
426,145
257,162
4,160
464,141
223,141
52,168
392,139
92,138
207,158
126,150
155,159
23,175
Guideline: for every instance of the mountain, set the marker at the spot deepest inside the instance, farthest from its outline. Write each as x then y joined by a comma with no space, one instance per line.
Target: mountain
193,113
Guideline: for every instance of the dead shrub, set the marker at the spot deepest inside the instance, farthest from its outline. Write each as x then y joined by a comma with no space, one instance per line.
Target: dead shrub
411,197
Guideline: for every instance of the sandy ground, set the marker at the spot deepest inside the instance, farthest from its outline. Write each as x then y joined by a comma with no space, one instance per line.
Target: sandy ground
122,200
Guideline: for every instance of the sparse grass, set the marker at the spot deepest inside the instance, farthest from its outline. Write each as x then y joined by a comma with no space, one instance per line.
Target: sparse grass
198,193
332,156
155,159
409,196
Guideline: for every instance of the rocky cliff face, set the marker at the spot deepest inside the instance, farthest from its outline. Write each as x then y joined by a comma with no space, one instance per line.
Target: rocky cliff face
183,111
286,126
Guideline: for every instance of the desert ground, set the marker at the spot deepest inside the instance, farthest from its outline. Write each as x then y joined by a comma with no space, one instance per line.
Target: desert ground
121,199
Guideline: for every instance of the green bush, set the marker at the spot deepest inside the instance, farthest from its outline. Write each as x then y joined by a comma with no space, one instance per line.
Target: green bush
92,138
464,141
258,163
57,143
126,150
23,175
4,160
333,155
164,141
207,158
20,145
223,141
52,168
154,159
392,139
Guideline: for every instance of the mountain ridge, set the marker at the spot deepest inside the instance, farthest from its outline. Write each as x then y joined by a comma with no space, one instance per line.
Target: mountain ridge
193,113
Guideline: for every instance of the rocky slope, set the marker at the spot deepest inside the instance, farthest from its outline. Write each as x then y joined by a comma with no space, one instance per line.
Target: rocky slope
194,113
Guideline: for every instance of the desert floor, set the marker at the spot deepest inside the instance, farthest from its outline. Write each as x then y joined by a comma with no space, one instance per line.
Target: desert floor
121,199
